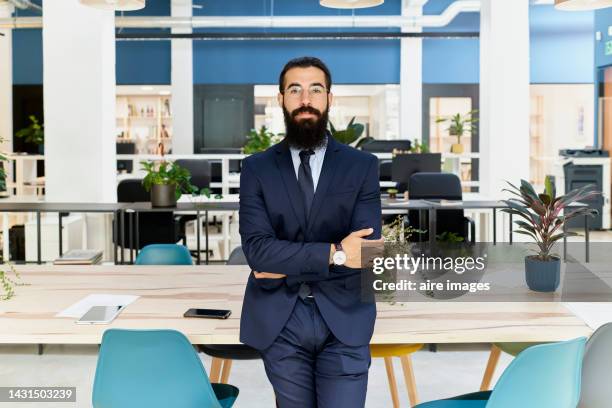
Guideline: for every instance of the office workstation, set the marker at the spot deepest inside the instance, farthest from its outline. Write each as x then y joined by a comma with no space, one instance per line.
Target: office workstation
313,203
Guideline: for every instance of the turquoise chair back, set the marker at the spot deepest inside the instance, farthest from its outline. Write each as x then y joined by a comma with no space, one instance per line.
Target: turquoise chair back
542,376
164,254
152,369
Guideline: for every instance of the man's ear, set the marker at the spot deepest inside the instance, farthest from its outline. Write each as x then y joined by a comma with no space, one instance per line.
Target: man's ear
279,98
330,99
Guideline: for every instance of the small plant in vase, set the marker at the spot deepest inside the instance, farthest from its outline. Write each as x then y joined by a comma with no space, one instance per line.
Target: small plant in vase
542,219
392,193
166,181
459,125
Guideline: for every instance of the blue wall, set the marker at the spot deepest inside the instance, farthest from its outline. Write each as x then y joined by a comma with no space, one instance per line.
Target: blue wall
144,62
27,57
561,48
236,62
246,62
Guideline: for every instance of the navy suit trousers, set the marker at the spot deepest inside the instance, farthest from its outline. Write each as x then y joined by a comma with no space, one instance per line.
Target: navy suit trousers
309,367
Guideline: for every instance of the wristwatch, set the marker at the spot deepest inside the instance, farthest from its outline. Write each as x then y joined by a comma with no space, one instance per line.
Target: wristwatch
339,257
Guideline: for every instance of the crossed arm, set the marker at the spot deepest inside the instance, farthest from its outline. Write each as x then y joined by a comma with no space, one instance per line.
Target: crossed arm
307,260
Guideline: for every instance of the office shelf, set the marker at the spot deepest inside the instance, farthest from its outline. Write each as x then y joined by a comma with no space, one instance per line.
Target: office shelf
144,118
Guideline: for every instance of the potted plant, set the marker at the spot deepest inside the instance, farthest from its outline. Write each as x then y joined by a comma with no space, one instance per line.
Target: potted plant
34,133
392,193
458,125
352,132
542,219
166,181
258,141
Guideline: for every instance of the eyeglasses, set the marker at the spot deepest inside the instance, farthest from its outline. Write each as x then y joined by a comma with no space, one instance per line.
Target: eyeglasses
296,92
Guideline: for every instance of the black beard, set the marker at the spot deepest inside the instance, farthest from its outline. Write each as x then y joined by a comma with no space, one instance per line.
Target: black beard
307,133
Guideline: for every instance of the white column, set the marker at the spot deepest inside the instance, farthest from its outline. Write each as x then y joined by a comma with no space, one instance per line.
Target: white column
411,76
6,81
504,94
79,102
182,84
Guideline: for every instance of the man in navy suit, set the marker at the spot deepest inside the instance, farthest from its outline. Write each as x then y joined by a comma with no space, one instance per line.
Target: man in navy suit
306,206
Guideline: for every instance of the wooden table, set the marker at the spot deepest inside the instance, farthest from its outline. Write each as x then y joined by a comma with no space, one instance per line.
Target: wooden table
166,292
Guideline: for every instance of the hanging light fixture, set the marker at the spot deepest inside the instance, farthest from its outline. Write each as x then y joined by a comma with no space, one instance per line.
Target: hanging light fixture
350,4
582,5
119,5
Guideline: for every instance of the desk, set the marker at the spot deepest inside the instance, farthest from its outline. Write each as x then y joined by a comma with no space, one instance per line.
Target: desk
38,207
433,206
166,292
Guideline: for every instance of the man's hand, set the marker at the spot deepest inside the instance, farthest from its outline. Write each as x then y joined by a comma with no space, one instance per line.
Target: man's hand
268,275
351,245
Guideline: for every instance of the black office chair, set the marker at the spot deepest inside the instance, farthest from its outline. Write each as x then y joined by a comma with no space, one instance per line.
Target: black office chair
154,227
384,170
199,170
440,186
234,165
223,354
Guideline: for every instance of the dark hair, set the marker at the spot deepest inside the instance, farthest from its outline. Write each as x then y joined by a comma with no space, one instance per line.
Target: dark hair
305,62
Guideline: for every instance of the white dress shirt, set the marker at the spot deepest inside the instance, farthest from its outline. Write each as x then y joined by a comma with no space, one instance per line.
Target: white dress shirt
316,162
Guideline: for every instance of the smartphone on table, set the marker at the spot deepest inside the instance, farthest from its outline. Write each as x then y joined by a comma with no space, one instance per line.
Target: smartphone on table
208,313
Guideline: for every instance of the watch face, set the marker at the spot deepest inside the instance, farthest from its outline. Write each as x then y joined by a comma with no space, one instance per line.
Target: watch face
339,257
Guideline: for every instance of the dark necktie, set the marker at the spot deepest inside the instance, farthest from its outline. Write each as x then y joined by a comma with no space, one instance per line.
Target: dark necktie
305,179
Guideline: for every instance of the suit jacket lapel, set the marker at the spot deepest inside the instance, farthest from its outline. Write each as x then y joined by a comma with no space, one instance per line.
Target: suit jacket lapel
287,171
330,163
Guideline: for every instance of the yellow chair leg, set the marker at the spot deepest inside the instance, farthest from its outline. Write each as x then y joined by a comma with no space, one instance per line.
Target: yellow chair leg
392,383
409,379
215,369
227,366
490,370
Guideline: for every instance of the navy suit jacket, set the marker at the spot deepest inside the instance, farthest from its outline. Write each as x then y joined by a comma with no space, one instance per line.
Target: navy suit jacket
278,237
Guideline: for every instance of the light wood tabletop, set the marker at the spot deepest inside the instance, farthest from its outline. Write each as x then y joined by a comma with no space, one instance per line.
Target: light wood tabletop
166,292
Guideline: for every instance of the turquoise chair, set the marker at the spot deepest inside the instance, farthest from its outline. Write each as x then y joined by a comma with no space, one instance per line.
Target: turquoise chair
542,376
154,369
164,254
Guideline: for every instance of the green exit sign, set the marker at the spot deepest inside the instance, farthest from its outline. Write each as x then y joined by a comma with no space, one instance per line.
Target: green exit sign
609,47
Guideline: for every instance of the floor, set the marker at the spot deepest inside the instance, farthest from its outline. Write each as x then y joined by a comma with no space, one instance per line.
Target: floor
452,370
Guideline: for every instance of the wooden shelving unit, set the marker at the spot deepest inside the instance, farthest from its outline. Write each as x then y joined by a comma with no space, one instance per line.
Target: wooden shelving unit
144,119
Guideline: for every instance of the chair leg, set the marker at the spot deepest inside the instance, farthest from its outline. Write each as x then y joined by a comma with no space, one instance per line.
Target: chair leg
490,370
392,383
409,379
215,369
227,366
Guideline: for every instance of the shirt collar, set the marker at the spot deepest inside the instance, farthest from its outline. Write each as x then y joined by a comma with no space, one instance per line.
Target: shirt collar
317,151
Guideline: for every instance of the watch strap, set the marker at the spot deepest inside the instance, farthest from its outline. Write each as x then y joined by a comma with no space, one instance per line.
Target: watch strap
338,247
